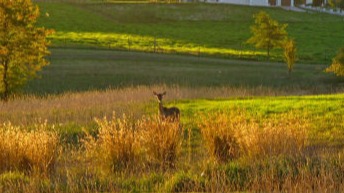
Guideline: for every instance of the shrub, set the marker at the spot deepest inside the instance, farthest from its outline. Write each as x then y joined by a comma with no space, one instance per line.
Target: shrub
337,66
28,151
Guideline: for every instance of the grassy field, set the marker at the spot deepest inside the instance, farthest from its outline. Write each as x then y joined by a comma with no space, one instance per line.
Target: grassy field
88,69
91,124
206,29
305,132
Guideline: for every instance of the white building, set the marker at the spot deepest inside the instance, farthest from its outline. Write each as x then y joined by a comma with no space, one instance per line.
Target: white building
259,2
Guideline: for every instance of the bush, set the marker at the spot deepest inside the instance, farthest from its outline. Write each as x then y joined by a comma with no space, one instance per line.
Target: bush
337,66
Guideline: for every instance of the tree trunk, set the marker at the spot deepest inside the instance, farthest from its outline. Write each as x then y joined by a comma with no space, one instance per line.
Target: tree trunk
5,94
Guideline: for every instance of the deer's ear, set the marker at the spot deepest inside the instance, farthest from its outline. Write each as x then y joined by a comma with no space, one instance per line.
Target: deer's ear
154,93
164,93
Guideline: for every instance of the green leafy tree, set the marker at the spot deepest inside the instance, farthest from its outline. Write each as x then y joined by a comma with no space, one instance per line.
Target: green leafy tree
337,66
267,33
23,46
290,54
341,5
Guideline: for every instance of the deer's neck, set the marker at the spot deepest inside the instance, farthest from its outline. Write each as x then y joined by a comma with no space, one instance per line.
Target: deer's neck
161,108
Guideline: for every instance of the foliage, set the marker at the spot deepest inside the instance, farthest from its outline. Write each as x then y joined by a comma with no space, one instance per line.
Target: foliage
337,66
23,46
267,33
290,54
337,3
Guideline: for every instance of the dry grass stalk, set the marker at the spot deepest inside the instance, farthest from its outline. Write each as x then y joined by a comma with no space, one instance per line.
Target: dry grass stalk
28,151
284,134
232,135
82,107
161,140
222,135
119,143
130,145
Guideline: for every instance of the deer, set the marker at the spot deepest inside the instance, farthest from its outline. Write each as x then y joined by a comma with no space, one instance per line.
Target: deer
167,114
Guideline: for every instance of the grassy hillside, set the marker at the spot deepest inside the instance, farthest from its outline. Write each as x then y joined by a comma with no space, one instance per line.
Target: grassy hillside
187,28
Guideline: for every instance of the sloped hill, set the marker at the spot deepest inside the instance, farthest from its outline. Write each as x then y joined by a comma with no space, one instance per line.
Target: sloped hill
211,28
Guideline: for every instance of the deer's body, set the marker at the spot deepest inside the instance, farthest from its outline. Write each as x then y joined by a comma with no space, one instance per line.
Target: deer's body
168,114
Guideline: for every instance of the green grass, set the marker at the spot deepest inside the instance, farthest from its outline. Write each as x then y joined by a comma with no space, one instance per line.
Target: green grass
325,112
210,29
87,69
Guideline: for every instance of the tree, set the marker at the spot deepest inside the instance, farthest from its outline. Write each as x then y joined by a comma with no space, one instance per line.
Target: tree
23,46
337,66
267,33
290,54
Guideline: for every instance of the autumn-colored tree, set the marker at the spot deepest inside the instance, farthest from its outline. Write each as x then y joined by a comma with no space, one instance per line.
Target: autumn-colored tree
337,66
23,46
267,33
290,54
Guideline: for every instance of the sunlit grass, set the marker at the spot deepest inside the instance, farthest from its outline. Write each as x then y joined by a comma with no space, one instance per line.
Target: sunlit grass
284,142
30,152
217,29
145,43
324,113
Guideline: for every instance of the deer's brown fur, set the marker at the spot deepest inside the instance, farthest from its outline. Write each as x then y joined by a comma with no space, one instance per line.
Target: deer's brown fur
167,114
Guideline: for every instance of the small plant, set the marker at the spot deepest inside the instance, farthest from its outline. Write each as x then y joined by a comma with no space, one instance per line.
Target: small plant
290,54
337,66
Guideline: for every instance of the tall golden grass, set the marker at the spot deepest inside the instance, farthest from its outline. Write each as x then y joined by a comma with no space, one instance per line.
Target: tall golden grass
162,141
128,145
231,135
137,153
83,107
268,155
34,151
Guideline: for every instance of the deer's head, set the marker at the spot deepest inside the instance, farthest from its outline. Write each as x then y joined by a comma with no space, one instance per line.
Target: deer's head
159,96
